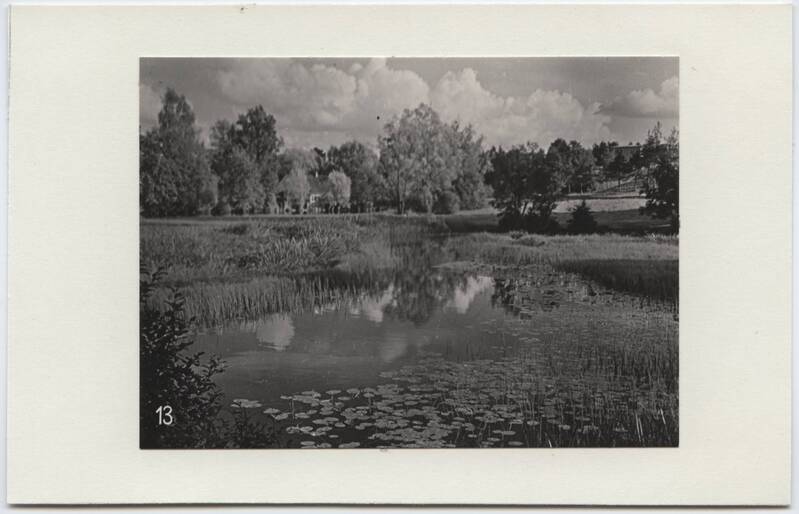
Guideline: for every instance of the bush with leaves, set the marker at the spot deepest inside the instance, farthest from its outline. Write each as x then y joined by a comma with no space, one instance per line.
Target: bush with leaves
538,224
171,375
582,220
660,158
525,188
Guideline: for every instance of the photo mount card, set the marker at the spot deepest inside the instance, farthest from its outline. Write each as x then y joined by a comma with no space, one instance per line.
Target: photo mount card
393,254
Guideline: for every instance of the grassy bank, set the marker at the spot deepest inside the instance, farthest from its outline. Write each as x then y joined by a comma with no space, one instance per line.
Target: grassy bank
246,267
235,249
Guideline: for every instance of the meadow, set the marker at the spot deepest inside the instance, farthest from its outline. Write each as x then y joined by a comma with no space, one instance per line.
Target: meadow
598,366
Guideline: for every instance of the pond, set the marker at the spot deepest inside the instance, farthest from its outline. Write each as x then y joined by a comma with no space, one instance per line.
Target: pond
458,356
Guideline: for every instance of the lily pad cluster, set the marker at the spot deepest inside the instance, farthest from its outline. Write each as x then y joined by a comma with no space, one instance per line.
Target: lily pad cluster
571,367
512,402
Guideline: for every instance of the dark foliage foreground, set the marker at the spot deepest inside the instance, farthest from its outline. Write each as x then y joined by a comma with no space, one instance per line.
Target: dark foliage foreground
181,384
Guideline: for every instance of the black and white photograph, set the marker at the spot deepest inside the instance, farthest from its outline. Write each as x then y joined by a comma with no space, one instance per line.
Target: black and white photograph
409,252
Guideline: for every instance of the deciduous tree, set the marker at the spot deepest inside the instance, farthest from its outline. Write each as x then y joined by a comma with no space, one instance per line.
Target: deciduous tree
661,159
571,165
239,181
295,186
604,153
414,158
360,164
255,132
173,166
525,187
339,190
471,164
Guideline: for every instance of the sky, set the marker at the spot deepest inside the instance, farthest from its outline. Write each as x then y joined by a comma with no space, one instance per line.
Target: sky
324,102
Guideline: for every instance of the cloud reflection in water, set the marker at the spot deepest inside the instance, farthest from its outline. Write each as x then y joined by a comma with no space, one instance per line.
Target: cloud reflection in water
464,296
276,331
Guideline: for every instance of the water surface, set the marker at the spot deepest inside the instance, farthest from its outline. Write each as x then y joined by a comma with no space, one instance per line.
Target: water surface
387,366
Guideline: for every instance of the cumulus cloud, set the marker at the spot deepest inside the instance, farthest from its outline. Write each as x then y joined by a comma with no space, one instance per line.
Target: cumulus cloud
647,103
542,116
320,97
356,102
319,104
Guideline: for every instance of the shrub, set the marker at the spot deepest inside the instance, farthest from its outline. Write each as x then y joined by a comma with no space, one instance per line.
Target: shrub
540,225
582,220
170,375
510,219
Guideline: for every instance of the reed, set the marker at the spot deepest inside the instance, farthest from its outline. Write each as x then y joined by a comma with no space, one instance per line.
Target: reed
645,266
243,267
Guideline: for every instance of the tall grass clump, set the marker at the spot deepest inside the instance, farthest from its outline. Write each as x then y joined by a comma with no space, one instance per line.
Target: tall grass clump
233,250
656,279
646,266
229,269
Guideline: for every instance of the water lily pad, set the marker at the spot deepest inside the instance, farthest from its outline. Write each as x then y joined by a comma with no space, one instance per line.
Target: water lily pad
245,404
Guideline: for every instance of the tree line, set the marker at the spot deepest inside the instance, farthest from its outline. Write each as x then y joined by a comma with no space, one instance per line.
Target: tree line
528,182
421,163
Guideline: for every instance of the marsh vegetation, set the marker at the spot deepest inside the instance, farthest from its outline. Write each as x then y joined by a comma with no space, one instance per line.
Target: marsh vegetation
394,331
